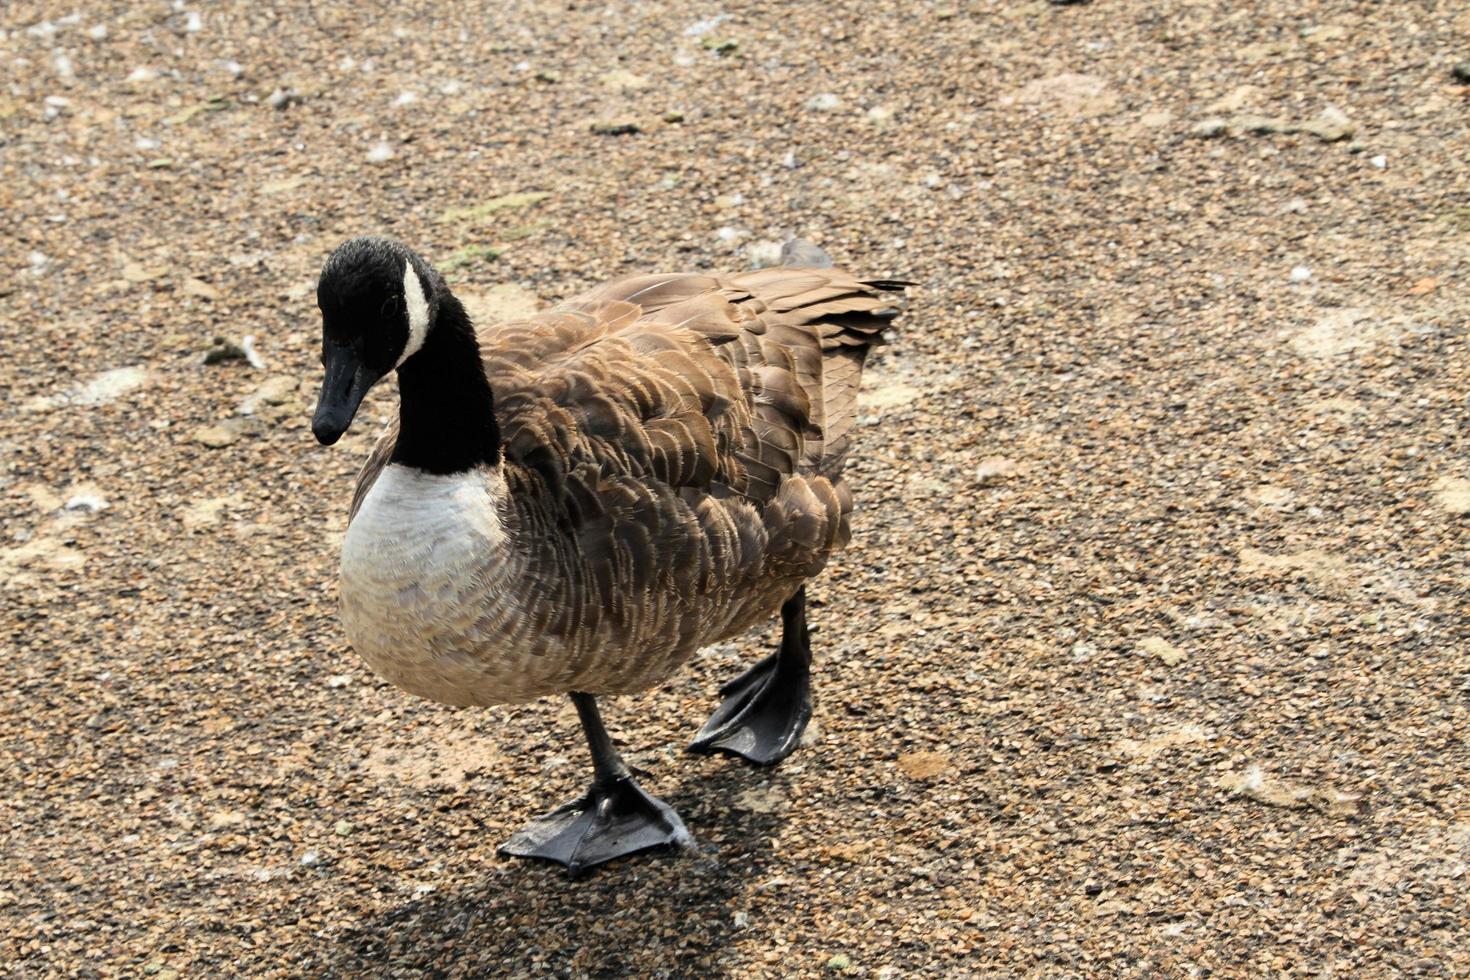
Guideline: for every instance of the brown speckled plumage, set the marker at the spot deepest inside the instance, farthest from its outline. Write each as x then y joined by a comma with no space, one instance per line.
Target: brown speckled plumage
673,451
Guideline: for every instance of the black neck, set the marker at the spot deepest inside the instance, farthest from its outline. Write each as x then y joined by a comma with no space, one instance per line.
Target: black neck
446,416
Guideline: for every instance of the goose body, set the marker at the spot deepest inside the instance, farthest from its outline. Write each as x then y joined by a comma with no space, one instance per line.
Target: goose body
578,501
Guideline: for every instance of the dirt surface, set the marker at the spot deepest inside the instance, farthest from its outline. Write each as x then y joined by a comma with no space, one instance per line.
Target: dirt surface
1150,655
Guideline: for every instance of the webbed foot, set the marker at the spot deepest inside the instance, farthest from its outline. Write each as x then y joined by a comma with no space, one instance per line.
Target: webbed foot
614,819
763,715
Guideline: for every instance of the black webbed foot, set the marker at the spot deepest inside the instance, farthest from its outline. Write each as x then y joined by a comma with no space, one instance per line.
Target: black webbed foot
612,820
764,713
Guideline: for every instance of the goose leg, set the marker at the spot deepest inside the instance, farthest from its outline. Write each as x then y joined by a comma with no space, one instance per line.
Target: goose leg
766,708
614,818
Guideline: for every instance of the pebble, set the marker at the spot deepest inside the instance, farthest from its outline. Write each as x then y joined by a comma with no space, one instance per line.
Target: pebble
86,498
1157,646
1453,495
1300,273
763,254
1210,128
825,102
616,126
215,436
200,288
994,469
381,152
1379,161
1331,126
623,81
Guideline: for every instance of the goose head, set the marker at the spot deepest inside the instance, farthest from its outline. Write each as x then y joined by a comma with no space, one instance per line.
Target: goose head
378,302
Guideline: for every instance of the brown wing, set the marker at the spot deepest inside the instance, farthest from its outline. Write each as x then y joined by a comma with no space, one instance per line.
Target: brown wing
797,338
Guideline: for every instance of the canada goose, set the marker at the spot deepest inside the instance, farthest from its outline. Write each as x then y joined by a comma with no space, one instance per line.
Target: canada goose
574,503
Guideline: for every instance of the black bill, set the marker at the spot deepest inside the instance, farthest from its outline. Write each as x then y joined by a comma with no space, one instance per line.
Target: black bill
347,381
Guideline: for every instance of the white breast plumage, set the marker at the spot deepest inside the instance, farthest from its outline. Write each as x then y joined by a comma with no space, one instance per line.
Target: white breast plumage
428,586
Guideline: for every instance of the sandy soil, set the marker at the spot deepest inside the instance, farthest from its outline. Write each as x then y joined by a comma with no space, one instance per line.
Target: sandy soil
1150,656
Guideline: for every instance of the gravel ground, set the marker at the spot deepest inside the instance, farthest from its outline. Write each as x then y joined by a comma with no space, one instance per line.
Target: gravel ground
1150,655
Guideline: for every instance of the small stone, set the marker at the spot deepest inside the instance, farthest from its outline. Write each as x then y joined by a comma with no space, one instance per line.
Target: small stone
825,102
1461,73
619,126
1210,128
310,859
380,153
1379,161
214,436
839,962
548,77
1453,495
763,254
1262,125
277,390
624,81
342,828
339,680
200,288
1331,126
280,99
673,116
1301,273
86,497
993,469
1157,646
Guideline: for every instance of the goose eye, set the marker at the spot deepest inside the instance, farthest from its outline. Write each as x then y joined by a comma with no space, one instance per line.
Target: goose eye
391,306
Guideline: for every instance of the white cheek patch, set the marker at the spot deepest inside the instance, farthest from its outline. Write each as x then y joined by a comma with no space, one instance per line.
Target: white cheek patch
418,313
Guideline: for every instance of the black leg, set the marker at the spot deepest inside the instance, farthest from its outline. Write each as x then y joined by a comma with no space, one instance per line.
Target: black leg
614,818
766,708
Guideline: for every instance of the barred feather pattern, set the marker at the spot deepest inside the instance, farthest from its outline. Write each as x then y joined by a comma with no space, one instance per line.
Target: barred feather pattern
673,448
